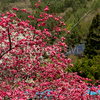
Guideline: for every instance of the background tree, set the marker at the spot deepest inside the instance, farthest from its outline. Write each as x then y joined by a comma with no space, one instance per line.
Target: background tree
23,74
92,47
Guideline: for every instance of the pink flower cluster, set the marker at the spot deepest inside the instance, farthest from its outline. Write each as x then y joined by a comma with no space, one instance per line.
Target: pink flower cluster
22,65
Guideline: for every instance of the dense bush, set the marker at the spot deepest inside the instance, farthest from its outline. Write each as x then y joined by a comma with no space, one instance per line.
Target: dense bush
88,68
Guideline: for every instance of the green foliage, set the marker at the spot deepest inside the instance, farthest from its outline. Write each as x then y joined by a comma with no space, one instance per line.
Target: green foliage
78,33
73,38
96,4
84,29
8,1
56,6
90,68
76,4
80,7
92,47
68,3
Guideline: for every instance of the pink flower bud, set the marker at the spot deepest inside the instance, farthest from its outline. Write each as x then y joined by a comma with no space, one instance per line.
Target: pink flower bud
15,8
46,8
80,71
68,32
29,16
71,65
69,60
62,38
39,1
43,24
55,37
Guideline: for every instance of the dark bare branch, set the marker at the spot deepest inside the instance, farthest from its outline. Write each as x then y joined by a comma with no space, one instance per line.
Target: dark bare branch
5,52
9,37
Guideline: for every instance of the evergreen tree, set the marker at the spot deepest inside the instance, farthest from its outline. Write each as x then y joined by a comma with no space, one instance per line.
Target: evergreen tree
92,47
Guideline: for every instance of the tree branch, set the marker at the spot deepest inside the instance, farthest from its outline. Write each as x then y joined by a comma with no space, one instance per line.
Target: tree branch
34,30
5,52
9,39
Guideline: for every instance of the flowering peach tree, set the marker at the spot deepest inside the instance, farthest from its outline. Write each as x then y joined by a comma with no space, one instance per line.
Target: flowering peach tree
23,70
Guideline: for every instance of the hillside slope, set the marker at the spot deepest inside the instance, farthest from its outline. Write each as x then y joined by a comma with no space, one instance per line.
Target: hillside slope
7,5
71,12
